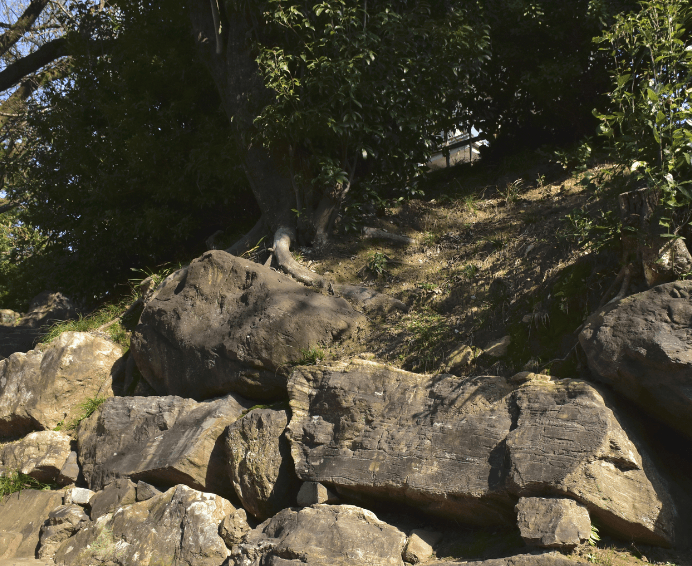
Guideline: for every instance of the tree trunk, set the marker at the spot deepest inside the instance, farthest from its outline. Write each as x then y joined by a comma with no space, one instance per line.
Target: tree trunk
646,246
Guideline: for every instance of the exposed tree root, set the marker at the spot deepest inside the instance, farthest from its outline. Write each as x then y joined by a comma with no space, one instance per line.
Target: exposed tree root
363,297
383,235
249,240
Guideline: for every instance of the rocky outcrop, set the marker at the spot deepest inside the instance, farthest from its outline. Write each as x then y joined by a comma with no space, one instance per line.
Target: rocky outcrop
225,324
46,456
22,334
63,522
642,347
45,387
466,449
178,528
161,440
21,517
260,463
116,494
338,535
552,523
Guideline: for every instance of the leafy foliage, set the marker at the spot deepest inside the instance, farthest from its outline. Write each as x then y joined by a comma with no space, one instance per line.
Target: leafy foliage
129,164
650,120
12,482
358,82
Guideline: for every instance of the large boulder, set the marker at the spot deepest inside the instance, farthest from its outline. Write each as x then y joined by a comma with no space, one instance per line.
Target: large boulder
642,347
21,517
552,523
225,324
177,528
260,462
161,440
63,522
467,449
338,535
45,387
46,456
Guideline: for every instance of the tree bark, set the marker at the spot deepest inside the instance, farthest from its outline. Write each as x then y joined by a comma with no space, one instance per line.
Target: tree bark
22,25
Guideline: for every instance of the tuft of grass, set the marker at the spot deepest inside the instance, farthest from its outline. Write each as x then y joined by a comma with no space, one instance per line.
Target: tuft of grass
14,482
117,331
88,408
511,192
427,331
310,356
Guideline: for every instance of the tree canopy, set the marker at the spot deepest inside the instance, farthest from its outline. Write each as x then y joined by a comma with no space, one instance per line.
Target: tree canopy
133,131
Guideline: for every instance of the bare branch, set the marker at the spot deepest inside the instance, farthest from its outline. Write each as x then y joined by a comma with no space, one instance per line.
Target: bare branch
22,25
23,67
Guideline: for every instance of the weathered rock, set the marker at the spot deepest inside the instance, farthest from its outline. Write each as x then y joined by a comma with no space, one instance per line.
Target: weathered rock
642,347
338,535
42,388
177,528
260,463
312,492
116,494
21,517
498,348
419,547
78,496
465,449
47,308
8,317
549,559
45,456
552,523
460,358
225,324
161,440
234,527
146,491
63,522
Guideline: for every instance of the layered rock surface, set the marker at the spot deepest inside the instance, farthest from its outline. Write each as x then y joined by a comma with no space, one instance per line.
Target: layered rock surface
161,440
467,449
176,528
21,517
260,463
44,387
46,456
225,324
642,347
338,535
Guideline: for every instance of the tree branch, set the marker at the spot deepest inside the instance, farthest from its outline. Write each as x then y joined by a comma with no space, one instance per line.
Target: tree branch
7,207
45,54
22,25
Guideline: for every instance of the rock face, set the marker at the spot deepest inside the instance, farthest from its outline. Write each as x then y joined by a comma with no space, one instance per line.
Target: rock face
552,523
225,324
45,456
21,517
338,535
177,528
63,522
466,449
44,309
42,388
8,317
260,463
161,440
116,494
642,346
47,308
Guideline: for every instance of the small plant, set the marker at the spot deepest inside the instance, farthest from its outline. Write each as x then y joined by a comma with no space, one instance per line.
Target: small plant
377,264
311,356
594,538
511,192
430,239
540,181
469,270
87,408
471,203
427,286
14,482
